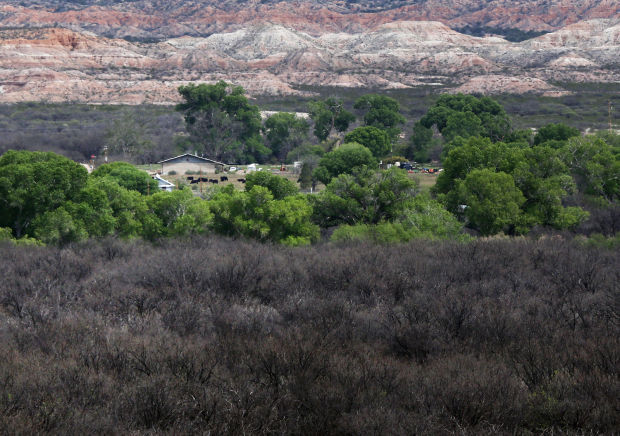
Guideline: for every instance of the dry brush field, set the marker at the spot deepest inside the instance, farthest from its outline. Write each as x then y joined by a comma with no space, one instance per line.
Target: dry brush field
220,336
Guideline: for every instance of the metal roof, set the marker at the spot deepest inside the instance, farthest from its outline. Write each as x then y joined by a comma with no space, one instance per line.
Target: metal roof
191,155
157,177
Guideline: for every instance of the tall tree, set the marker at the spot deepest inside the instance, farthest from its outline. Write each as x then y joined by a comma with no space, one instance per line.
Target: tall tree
284,132
222,123
329,115
382,112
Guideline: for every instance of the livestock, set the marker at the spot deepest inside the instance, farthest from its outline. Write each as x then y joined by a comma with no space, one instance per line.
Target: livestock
215,181
242,180
223,178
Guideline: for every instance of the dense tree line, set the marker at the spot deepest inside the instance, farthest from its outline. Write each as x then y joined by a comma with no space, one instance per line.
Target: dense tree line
495,179
208,335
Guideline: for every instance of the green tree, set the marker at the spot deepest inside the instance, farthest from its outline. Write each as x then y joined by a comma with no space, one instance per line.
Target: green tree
423,218
279,186
476,153
32,183
128,176
376,140
538,172
329,115
463,124
305,176
470,116
284,132
343,160
492,201
129,209
256,214
365,196
180,213
382,112
58,227
594,165
222,123
421,141
558,133
91,209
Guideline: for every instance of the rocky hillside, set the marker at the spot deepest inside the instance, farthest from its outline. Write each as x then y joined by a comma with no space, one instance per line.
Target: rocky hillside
161,19
55,64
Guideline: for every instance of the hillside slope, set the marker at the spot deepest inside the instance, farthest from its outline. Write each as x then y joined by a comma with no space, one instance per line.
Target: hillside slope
54,64
159,19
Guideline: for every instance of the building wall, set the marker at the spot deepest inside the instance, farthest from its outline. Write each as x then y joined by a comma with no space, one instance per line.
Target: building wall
182,167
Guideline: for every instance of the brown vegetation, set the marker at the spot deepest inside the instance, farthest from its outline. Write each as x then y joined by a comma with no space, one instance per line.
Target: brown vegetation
228,337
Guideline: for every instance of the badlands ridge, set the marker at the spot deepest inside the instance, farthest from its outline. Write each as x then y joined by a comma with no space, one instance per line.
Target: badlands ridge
58,64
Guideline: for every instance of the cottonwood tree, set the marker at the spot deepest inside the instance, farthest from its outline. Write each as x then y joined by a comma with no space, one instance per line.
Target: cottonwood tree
222,123
32,183
382,112
329,115
284,132
373,138
343,160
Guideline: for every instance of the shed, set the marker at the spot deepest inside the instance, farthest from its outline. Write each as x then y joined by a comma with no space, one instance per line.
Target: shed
164,184
190,163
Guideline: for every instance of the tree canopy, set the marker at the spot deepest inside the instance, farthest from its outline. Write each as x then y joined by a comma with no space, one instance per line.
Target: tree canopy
466,115
557,133
33,183
279,187
538,173
329,115
343,160
256,214
376,140
284,132
128,176
222,123
382,112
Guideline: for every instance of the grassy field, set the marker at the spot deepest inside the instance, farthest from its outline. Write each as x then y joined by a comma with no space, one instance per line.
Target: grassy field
426,181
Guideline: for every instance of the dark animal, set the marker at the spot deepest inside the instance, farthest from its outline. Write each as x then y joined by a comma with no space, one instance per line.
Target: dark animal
190,178
223,178
205,179
213,181
193,182
242,180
